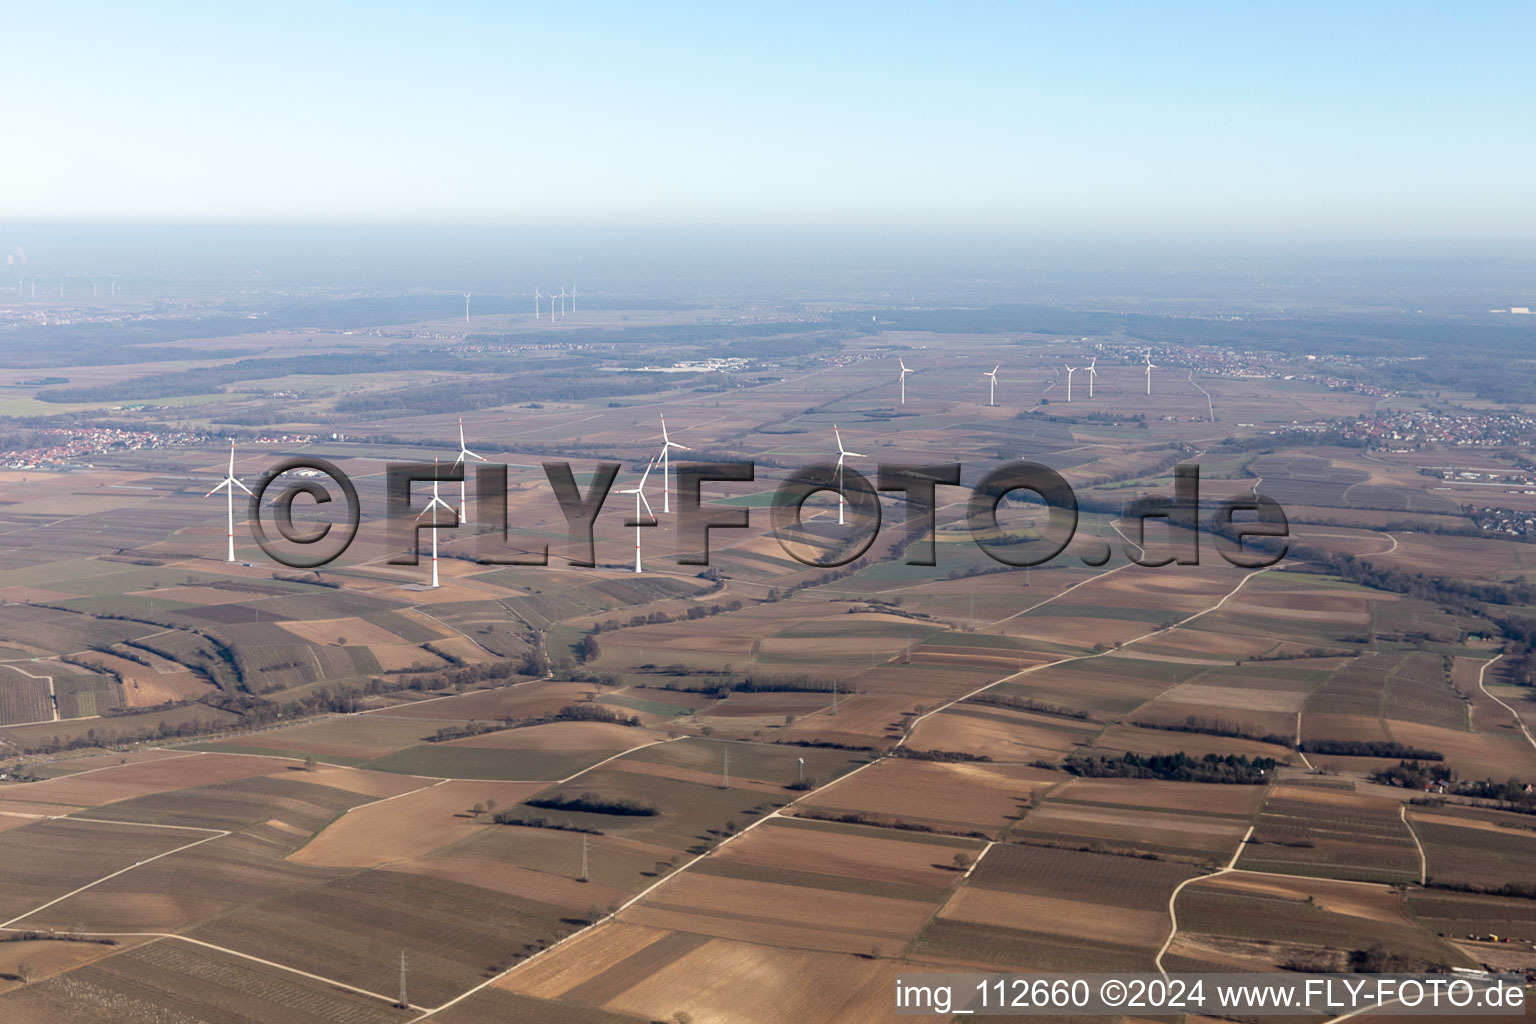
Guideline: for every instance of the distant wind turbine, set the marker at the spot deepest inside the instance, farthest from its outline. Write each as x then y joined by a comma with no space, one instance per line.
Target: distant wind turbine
1092,373
1070,371
432,506
1149,372
666,445
573,298
229,484
842,453
992,387
639,492
464,453
466,306
537,295
562,300
904,372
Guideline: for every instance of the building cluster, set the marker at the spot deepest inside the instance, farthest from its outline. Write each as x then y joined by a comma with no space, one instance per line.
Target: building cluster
71,444
1412,430
1508,521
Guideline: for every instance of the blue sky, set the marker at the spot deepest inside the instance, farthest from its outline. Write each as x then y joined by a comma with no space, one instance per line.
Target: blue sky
1219,120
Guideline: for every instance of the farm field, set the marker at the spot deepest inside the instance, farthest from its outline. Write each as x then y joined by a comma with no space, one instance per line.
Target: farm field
1190,827
1277,921
1332,832
1037,905
703,782
143,985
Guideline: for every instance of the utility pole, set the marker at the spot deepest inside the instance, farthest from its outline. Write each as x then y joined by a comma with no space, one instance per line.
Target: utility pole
583,877
834,696
727,768
972,616
405,1003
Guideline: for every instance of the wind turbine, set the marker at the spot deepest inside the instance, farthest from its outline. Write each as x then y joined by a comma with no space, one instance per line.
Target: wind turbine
639,492
466,306
842,453
1149,372
573,298
463,454
1092,373
435,503
992,392
1070,371
537,295
904,372
231,483
562,300
666,444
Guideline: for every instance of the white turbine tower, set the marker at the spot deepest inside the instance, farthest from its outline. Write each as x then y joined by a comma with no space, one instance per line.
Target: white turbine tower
562,300
573,298
1149,372
904,372
842,453
639,492
432,507
1092,374
466,306
230,483
1070,371
666,445
537,295
992,376
464,453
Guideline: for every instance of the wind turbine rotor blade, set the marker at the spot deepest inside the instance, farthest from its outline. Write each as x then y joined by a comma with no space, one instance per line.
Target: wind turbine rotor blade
222,484
242,486
646,503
